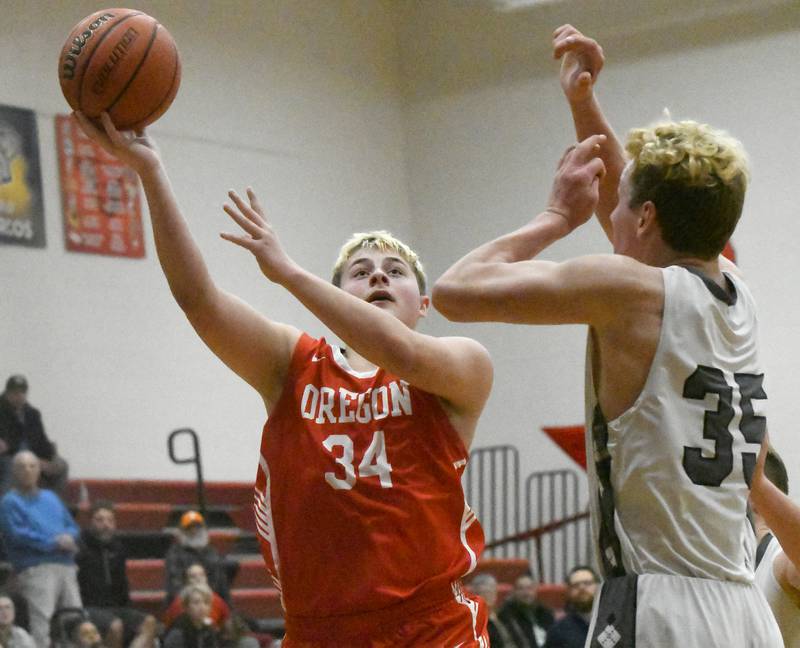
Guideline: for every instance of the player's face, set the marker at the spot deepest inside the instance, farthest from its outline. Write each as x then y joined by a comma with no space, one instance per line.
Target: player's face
385,280
624,220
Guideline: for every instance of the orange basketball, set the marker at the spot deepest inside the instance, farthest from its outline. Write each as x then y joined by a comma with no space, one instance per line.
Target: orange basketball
120,61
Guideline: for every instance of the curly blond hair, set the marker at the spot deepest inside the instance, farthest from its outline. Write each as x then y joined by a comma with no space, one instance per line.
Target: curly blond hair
385,242
695,176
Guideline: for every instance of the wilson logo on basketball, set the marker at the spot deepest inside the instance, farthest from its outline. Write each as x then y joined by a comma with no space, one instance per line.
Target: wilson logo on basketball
117,54
78,43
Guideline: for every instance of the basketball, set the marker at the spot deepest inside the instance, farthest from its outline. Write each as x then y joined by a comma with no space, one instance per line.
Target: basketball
121,61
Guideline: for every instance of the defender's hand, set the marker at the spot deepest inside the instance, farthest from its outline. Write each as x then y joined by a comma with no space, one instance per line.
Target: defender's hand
258,237
576,186
581,62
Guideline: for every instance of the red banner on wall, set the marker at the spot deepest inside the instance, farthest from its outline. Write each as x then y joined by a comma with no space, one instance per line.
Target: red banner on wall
99,196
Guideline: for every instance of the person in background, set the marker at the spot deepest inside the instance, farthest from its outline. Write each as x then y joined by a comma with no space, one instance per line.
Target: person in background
21,428
485,586
570,631
190,547
103,578
41,540
778,554
219,613
12,636
193,628
527,619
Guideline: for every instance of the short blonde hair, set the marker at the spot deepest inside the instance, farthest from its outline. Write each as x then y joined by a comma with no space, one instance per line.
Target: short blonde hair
203,590
696,177
385,242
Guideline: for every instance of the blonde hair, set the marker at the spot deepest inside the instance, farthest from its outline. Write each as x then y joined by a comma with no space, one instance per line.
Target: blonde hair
696,177
385,242
202,590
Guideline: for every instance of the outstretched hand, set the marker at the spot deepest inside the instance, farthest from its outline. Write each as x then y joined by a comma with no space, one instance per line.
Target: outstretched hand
259,237
581,62
576,186
134,148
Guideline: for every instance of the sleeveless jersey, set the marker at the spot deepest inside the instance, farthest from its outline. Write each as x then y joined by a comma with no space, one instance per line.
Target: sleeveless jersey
786,611
669,478
358,499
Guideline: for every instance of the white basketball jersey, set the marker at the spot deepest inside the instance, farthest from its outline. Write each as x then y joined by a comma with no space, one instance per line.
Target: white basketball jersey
786,611
669,477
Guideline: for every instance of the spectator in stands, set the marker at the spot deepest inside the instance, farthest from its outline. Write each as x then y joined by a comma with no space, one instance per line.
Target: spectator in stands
485,586
103,578
571,630
193,628
192,547
84,634
526,618
196,575
21,428
12,636
41,540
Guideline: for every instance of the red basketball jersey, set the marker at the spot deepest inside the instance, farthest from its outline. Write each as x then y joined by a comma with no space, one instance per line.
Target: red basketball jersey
358,498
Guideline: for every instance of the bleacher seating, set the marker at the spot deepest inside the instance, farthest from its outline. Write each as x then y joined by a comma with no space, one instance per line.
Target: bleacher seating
148,511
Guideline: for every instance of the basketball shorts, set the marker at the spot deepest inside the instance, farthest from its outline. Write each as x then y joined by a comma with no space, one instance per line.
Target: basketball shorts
661,611
460,621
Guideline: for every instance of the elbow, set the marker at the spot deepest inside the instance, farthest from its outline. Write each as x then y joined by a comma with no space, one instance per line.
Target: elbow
451,301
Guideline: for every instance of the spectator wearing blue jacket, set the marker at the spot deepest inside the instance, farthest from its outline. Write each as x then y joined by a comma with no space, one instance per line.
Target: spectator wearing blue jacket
40,537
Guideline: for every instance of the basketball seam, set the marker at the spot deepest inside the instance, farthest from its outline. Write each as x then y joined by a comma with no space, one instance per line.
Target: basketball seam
136,71
171,85
97,45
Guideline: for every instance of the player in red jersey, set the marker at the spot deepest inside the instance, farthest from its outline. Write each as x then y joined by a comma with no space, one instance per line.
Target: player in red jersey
360,512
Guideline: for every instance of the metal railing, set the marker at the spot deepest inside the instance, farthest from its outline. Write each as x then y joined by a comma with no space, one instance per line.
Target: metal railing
548,527
491,484
193,459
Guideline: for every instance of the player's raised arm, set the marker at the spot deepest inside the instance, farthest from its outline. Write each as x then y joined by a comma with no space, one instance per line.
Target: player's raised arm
458,370
255,348
502,281
581,62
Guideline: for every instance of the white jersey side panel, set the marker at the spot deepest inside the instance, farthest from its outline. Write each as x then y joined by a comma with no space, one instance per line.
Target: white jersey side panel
668,476
786,611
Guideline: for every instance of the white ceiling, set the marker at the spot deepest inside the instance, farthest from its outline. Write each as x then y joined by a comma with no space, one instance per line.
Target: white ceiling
449,45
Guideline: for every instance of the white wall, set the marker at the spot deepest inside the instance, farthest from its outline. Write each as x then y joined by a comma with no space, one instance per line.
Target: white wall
481,156
298,97
305,100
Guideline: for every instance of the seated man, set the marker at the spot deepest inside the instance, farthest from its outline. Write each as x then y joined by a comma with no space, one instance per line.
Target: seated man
571,630
103,578
485,586
192,547
12,635
21,428
527,619
40,537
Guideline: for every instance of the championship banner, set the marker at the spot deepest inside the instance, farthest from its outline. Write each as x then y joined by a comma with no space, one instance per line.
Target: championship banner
99,196
21,203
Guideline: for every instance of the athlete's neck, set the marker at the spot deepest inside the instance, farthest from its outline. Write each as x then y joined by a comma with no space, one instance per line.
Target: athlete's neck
357,362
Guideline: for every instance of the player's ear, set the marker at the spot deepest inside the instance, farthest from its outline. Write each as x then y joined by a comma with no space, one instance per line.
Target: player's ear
424,305
648,221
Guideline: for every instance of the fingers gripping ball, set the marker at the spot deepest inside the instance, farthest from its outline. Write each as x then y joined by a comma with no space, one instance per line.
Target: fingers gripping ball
121,61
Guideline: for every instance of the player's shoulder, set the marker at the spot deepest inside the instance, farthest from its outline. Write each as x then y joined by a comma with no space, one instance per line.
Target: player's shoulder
467,347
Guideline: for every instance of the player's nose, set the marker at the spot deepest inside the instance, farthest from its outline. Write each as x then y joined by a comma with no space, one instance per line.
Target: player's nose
378,276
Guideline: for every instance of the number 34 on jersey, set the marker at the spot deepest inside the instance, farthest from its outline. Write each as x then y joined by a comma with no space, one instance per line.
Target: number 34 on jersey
374,462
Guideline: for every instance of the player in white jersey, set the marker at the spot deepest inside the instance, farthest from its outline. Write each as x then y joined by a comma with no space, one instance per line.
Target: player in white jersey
676,415
777,572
